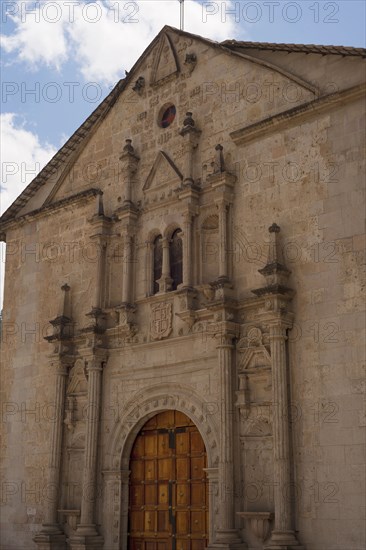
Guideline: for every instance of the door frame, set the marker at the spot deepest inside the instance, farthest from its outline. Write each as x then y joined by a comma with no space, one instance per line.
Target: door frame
137,412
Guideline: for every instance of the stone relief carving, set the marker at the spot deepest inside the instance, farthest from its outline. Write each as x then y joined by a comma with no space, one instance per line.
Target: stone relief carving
161,320
165,63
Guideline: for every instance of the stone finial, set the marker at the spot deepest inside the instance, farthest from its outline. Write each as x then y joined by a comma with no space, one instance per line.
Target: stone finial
189,125
275,255
188,121
66,309
62,324
275,270
274,228
219,164
128,148
100,205
129,156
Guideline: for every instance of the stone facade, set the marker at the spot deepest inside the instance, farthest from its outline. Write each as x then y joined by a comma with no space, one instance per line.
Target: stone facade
250,158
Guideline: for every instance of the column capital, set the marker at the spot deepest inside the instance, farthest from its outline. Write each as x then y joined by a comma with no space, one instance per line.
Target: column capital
225,332
95,364
62,367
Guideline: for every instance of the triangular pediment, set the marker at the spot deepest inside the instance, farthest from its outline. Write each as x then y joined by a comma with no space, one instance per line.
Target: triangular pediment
165,58
255,357
77,380
165,62
163,172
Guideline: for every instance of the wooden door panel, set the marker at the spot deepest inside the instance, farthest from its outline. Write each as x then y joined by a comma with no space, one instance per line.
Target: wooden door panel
136,544
137,470
166,419
197,444
182,495
163,522
150,521
183,544
182,443
150,470
198,494
137,495
137,521
197,465
198,522
150,444
182,468
138,448
165,470
168,486
182,522
163,445
163,494
150,494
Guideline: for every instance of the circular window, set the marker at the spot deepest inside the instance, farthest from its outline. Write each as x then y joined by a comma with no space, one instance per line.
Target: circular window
167,115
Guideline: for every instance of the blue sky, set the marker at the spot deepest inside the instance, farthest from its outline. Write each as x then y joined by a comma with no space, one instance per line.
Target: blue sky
60,58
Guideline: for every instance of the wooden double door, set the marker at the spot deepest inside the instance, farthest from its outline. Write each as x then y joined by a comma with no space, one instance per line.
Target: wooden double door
168,493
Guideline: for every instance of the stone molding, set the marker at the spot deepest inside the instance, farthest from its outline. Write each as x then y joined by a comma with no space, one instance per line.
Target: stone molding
151,401
296,115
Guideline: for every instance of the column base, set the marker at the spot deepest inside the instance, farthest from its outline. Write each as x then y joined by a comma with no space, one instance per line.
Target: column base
283,540
85,542
227,539
50,538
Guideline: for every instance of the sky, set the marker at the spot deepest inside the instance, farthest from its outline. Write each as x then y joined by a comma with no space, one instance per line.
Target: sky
59,59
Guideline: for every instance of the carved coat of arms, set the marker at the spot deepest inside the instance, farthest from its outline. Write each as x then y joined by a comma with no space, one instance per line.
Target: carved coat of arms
161,320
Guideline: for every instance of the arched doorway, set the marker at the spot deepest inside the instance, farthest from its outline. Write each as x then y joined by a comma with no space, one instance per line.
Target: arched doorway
168,492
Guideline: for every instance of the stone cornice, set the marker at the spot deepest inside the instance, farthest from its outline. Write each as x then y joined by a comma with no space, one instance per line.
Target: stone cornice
296,115
49,209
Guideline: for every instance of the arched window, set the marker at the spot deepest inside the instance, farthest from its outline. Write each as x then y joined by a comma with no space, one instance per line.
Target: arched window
176,259
158,261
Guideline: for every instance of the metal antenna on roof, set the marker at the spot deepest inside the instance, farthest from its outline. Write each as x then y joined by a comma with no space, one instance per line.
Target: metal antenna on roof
181,15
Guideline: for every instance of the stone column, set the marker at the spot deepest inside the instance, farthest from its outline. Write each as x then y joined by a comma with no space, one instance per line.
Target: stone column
86,534
51,536
114,511
101,263
187,251
165,282
213,494
282,535
227,535
223,267
190,135
127,269
129,163
149,268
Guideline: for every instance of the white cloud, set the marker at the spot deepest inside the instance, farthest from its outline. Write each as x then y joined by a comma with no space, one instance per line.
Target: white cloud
104,48
22,157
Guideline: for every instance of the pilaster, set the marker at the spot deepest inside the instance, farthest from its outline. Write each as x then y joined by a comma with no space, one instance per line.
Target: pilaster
86,536
227,536
51,536
278,317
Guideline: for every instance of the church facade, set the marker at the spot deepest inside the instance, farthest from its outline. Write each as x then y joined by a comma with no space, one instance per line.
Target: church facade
182,337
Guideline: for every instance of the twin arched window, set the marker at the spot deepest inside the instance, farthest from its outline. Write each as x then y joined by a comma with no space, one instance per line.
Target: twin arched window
174,261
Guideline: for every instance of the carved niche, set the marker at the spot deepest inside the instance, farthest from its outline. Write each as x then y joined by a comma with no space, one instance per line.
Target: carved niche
254,373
